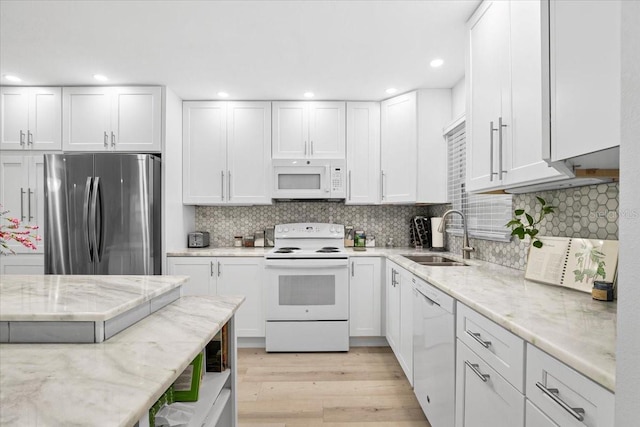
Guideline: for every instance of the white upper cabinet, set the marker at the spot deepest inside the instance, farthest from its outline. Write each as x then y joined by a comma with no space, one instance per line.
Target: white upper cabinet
399,145
363,153
204,152
585,76
487,102
249,152
226,153
112,119
30,118
413,150
136,119
505,99
308,130
22,193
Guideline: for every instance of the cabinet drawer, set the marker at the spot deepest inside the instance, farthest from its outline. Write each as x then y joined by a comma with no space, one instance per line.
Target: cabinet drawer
495,345
534,417
595,404
483,397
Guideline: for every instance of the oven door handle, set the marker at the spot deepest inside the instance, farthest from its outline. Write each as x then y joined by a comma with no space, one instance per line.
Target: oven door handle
292,264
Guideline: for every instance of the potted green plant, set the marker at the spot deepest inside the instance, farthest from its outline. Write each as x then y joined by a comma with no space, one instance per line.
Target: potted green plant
524,224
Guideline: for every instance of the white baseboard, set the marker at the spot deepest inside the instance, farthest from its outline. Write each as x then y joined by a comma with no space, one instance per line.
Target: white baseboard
258,342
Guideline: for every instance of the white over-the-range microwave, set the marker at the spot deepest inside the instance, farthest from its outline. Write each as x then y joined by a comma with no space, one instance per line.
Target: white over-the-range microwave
309,179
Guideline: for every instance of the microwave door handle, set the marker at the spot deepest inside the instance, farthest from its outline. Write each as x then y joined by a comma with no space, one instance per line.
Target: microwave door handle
328,189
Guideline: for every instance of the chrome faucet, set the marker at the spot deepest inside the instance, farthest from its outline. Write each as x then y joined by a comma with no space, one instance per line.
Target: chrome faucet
466,248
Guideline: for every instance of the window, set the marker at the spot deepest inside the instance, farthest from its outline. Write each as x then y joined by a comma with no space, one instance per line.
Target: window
486,214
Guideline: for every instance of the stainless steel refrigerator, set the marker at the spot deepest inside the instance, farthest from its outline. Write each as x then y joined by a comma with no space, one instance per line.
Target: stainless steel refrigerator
102,214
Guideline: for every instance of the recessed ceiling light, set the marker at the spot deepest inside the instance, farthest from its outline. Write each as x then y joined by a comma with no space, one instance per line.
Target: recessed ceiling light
223,94
100,77
12,78
391,90
309,95
437,63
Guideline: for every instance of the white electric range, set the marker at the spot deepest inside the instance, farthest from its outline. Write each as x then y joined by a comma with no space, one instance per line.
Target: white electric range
307,289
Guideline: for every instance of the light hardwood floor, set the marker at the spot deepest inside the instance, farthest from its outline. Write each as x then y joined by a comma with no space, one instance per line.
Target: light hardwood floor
362,388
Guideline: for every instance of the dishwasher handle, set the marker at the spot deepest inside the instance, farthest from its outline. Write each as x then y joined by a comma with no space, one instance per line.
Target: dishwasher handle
429,300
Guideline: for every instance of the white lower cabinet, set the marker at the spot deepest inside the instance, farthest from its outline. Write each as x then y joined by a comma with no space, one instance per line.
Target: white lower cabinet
534,417
399,316
22,264
365,294
483,397
489,373
227,276
392,317
566,397
244,276
201,272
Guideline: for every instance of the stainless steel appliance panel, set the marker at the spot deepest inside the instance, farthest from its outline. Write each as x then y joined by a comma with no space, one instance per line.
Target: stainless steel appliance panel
102,214
68,190
125,214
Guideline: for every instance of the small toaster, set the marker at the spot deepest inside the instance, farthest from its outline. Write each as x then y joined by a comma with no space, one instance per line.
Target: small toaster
198,239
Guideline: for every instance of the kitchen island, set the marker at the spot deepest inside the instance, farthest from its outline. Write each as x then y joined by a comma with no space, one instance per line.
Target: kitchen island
112,383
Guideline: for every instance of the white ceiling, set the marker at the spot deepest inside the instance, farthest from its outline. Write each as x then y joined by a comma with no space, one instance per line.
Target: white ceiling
251,49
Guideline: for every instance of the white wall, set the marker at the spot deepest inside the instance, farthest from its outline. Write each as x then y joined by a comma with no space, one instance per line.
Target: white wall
459,98
628,344
178,219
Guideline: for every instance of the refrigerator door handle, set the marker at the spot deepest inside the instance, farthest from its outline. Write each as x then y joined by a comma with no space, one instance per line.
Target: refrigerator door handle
96,214
86,219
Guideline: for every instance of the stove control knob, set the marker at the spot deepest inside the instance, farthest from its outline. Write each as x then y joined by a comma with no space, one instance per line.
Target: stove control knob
286,230
333,229
279,229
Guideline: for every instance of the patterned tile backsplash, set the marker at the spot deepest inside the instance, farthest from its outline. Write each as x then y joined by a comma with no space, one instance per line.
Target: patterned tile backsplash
590,212
383,222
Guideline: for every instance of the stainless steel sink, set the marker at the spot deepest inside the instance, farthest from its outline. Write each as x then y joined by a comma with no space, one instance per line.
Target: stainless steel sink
435,260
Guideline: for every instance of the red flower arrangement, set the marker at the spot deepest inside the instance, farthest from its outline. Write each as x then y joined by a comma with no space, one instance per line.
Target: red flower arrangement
24,235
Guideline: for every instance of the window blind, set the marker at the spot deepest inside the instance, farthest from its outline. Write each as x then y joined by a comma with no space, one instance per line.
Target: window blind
486,214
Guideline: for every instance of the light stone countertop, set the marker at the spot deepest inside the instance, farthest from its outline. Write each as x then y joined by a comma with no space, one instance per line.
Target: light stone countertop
227,251
567,324
111,383
78,298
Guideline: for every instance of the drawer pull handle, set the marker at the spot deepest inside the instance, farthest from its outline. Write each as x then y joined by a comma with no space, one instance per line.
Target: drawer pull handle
552,393
476,336
474,367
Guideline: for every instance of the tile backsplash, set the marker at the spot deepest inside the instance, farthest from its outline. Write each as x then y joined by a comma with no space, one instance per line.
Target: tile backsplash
383,222
589,212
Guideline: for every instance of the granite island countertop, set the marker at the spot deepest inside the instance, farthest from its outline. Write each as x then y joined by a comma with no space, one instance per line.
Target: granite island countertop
565,323
112,383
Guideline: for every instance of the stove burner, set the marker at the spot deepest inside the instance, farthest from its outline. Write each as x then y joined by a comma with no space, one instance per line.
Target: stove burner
286,250
328,250
333,248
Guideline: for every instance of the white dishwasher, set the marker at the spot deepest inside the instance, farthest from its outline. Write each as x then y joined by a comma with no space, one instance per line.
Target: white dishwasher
434,353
